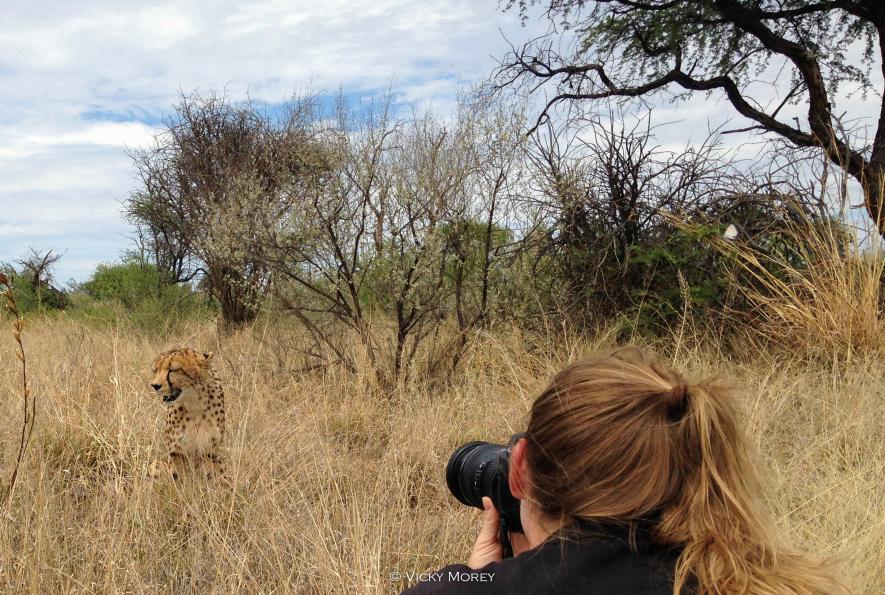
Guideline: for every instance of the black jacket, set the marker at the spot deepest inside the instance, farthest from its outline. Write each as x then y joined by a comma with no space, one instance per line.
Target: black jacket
598,559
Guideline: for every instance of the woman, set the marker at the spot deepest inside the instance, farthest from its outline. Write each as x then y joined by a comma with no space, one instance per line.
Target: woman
632,480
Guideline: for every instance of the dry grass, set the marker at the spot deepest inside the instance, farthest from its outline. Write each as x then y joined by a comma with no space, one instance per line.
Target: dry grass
824,300
337,486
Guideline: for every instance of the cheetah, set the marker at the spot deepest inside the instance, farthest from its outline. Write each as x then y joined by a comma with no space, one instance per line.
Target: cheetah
194,401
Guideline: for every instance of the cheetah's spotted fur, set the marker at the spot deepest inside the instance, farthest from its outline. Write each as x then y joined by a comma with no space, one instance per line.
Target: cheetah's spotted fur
194,433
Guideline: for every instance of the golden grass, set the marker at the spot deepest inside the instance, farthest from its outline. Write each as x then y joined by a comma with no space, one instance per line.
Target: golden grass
825,306
336,486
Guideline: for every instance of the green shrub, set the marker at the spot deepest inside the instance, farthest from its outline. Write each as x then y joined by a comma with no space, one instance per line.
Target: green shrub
139,295
678,274
29,299
130,283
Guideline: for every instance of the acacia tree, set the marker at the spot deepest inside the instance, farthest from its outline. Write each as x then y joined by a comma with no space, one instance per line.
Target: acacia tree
480,235
322,245
214,168
399,234
365,246
604,187
632,49
37,266
162,239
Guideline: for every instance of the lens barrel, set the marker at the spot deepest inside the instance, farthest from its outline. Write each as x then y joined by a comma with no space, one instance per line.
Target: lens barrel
480,469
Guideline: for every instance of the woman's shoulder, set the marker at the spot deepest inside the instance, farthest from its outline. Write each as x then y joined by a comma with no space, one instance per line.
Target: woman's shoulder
592,559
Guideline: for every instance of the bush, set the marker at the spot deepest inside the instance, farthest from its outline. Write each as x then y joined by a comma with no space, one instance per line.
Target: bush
27,296
140,294
816,291
678,274
130,283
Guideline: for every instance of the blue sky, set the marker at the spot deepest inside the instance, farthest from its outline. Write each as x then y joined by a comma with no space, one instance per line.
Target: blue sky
81,81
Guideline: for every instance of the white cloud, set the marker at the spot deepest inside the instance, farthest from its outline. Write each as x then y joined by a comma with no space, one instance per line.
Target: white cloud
79,81
131,134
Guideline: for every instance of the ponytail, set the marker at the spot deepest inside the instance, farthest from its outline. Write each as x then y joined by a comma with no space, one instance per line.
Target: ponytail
727,544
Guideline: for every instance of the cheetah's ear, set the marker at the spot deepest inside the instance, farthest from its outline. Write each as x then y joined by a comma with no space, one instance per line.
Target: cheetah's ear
207,355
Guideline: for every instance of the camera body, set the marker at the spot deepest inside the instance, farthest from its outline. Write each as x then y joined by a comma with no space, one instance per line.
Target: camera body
480,469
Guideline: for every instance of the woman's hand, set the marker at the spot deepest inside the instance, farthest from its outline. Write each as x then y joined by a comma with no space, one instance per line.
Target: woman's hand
487,547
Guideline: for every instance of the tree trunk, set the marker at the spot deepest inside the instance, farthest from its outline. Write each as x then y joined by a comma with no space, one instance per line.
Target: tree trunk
237,302
873,183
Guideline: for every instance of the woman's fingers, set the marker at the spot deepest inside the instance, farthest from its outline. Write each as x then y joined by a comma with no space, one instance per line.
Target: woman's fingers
487,548
491,521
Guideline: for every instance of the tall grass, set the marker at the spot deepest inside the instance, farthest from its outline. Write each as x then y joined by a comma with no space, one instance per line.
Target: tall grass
28,399
814,290
336,486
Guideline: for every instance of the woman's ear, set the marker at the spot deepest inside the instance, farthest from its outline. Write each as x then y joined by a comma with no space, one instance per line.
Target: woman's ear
517,476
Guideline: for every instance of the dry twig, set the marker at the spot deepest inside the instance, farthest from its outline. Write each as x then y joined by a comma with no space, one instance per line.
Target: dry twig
28,401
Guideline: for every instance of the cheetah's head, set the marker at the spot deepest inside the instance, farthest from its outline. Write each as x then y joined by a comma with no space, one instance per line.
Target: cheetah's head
177,371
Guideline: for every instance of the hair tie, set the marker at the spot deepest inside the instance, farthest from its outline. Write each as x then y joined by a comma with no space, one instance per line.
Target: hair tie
676,401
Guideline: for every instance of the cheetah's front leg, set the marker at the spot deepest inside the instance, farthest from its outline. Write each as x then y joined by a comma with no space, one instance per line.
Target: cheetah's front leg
167,467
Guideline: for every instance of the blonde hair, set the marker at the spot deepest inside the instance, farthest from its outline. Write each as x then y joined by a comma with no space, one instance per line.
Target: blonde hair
621,436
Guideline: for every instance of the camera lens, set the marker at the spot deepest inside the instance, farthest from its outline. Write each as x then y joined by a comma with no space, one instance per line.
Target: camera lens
468,472
479,469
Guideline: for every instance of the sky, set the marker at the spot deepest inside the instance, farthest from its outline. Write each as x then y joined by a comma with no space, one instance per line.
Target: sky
80,82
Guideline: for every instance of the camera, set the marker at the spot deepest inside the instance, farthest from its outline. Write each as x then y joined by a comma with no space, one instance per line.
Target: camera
480,469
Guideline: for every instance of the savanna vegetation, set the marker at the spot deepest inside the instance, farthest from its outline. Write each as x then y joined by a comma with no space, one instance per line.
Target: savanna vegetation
381,285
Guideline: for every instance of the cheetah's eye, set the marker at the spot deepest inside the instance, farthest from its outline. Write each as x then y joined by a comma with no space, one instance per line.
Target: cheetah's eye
174,369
